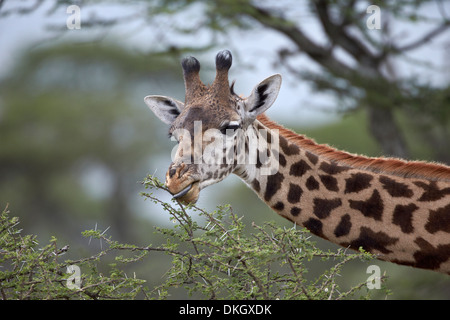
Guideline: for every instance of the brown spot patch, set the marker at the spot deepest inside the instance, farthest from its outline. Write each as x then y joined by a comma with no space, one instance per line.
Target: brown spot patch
256,186
372,207
323,207
432,192
289,149
312,183
439,220
295,211
357,182
332,168
430,257
279,206
312,157
370,240
315,226
403,217
329,182
281,159
395,188
273,185
344,226
299,168
294,193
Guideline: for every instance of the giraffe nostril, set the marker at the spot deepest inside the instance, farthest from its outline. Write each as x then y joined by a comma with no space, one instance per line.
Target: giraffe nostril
177,171
172,172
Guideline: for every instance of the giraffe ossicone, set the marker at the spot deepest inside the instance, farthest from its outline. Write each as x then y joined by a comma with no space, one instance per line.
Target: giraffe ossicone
397,209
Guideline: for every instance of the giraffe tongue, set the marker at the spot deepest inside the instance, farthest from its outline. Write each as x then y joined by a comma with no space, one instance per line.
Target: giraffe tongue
182,192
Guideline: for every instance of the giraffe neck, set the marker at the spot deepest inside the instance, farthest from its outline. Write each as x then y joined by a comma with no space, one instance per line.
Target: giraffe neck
398,210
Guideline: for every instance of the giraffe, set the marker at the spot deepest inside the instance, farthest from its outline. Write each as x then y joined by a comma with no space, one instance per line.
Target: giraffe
396,209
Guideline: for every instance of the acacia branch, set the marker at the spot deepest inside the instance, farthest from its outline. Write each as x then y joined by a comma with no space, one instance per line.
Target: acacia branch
338,35
21,10
322,55
423,40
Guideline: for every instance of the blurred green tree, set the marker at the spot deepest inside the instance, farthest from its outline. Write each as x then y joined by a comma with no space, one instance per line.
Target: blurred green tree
356,54
75,138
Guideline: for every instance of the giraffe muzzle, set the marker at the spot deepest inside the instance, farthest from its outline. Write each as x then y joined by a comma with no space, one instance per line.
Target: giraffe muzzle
189,194
182,192
183,183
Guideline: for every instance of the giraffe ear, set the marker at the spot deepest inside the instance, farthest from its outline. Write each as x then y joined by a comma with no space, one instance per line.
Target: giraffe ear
263,96
165,108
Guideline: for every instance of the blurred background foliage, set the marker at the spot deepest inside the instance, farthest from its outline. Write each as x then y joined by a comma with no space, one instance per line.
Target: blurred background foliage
76,138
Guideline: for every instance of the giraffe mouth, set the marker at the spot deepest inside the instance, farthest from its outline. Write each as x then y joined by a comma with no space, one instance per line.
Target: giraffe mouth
182,192
189,194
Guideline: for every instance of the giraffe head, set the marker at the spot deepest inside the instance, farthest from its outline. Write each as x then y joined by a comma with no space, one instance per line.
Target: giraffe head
208,126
